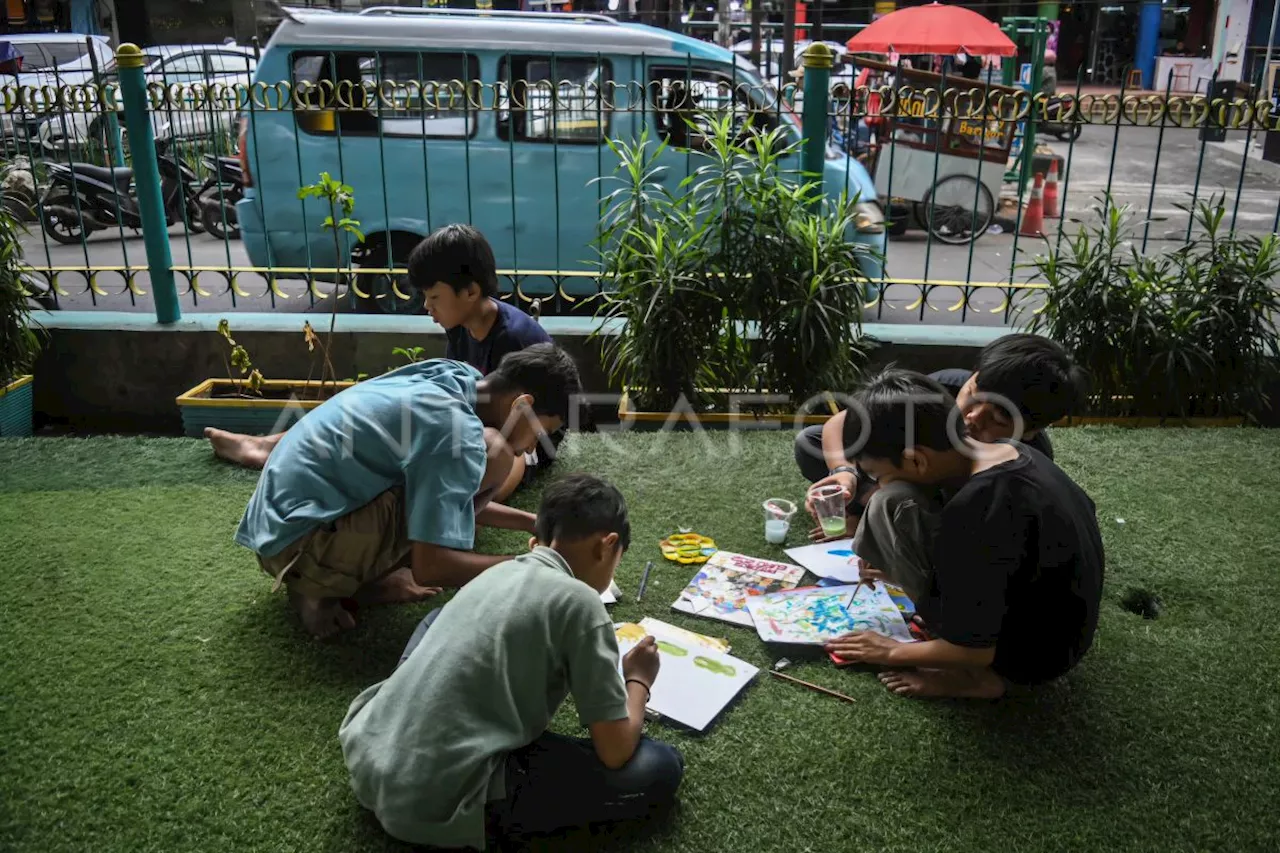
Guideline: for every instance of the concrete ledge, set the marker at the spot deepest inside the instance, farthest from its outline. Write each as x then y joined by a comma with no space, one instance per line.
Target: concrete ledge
111,371
914,334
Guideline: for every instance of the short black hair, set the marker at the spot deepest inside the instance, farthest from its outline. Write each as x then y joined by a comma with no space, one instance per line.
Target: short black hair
902,409
457,255
1033,373
543,370
581,505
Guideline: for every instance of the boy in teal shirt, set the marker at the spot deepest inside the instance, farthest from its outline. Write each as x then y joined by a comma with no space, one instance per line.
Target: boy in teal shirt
454,743
378,490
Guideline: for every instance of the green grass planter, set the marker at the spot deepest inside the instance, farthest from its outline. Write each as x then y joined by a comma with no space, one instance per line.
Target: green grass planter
283,402
15,408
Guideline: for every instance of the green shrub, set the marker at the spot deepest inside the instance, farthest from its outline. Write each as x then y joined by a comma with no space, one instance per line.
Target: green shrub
1191,333
745,279
19,343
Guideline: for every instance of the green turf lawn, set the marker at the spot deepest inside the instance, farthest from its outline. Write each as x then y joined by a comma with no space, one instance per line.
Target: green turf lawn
155,696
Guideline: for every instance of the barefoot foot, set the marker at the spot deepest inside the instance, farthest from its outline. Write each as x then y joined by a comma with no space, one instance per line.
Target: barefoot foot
251,451
322,617
399,587
944,684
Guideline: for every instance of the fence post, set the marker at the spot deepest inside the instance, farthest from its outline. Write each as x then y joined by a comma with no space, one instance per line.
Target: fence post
146,174
818,61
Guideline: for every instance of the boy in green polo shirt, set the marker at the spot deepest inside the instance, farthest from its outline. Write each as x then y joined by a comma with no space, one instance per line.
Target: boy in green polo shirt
454,744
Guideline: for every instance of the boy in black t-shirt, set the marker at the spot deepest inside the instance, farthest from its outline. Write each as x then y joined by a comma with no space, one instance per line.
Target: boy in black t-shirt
1018,559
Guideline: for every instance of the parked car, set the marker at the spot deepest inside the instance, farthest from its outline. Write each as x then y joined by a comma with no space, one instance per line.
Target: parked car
176,66
523,169
46,59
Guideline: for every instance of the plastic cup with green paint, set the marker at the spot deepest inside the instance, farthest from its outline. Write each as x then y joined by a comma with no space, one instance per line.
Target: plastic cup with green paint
829,507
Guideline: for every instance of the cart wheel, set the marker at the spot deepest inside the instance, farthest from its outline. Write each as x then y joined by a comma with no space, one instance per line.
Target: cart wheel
957,210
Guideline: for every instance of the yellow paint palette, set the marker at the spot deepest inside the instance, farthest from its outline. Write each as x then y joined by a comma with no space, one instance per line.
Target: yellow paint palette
688,549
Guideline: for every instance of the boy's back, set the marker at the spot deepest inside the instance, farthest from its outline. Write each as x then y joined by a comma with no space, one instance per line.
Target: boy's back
425,747
1019,558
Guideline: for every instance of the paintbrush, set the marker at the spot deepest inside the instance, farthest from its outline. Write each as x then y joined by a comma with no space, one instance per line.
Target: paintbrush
808,684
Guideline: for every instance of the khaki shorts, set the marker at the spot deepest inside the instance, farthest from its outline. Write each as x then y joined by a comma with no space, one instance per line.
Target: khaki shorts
335,560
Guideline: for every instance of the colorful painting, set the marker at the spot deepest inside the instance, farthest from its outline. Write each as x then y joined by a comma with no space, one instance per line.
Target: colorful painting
815,615
691,689
723,586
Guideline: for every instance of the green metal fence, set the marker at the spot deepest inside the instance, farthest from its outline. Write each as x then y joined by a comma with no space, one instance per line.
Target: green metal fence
936,148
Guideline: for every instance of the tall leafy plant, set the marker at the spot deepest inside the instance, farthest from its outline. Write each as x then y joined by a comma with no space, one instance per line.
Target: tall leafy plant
1188,333
341,201
748,271
19,341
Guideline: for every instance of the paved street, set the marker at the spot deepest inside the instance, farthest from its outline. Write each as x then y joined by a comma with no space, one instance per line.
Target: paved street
1174,163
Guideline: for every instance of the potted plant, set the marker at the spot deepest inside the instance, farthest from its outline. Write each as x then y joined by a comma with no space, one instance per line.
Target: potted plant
743,284
245,401
19,342
1187,338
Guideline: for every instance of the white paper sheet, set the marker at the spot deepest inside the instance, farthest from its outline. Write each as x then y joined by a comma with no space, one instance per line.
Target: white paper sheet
828,559
694,684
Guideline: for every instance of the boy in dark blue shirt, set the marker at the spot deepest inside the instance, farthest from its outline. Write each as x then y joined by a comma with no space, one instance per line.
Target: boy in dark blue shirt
455,269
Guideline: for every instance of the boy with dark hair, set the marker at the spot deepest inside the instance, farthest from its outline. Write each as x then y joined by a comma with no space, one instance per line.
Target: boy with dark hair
457,274
393,472
1017,563
1019,375
454,743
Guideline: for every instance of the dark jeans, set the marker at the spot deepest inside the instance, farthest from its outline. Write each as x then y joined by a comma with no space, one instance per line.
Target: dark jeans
809,453
558,781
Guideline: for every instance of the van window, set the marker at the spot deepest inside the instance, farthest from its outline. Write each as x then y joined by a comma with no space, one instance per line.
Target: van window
398,94
553,99
680,95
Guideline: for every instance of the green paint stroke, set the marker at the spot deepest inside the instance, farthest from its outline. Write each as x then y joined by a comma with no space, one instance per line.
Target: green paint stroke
714,666
671,649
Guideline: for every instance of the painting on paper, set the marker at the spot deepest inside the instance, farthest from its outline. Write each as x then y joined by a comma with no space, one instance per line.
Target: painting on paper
694,682
815,615
723,586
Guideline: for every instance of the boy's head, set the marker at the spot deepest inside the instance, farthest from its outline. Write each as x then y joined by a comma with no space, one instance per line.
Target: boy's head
904,426
455,270
530,393
1019,376
585,520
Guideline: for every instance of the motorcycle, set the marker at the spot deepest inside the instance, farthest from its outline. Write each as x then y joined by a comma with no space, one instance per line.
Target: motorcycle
218,195
1055,125
82,198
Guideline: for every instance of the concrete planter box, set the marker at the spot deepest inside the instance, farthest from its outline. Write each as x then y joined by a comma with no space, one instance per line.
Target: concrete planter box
283,403
717,419
15,408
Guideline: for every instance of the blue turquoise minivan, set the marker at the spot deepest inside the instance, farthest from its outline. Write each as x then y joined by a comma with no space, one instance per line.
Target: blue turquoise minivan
509,136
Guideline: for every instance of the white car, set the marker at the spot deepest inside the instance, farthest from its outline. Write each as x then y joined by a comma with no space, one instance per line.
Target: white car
175,67
48,59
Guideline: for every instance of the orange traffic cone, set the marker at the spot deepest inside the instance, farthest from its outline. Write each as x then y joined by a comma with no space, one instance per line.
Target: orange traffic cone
1051,210
1033,217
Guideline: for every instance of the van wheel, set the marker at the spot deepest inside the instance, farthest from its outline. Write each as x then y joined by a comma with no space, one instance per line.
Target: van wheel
381,297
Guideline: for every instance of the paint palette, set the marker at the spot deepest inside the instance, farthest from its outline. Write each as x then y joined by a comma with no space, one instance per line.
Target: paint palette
687,549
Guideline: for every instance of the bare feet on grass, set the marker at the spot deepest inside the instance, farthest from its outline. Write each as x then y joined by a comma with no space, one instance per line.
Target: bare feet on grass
944,683
251,451
399,587
322,617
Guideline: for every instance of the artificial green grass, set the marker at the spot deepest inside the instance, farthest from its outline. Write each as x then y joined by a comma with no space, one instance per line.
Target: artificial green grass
155,696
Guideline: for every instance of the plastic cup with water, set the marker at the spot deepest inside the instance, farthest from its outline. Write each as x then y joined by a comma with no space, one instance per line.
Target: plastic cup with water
777,520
